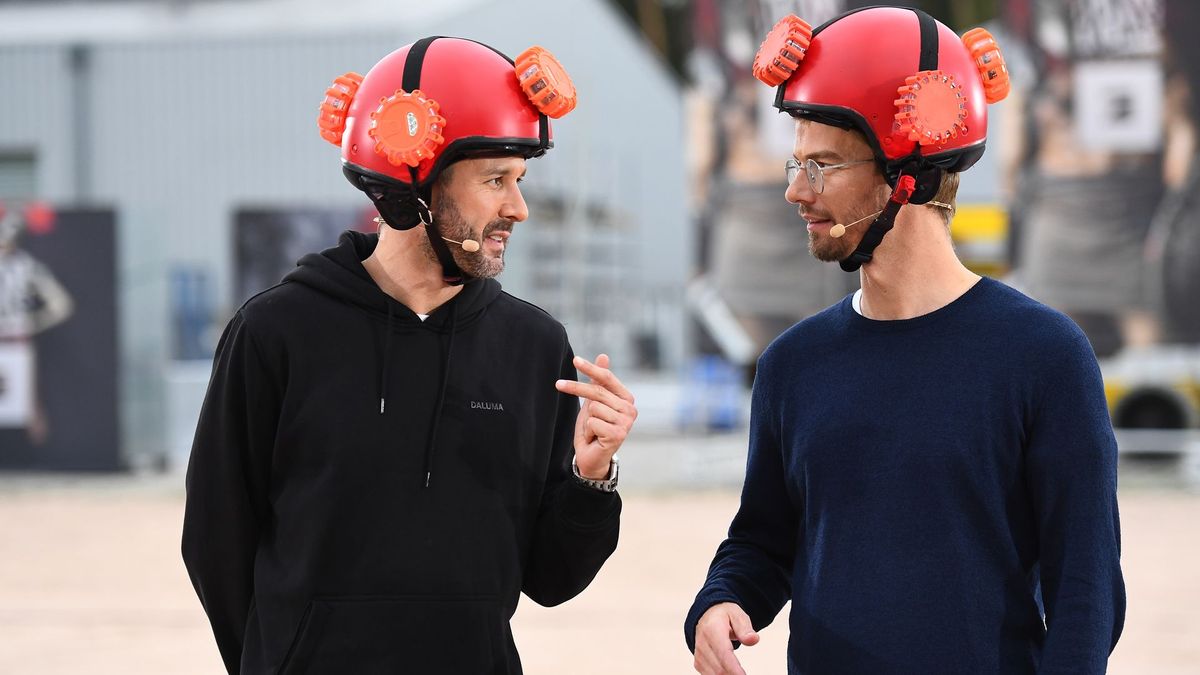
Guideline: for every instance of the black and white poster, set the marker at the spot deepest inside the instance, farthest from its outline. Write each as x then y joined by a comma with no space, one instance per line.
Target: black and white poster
58,339
268,241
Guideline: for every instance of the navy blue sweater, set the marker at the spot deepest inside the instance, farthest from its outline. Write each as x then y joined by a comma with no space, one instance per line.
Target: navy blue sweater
910,482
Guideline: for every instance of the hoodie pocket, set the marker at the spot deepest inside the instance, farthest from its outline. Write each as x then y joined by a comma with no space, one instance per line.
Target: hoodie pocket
399,634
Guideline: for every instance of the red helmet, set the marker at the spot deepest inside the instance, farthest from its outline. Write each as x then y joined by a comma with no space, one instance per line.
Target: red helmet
431,103
916,90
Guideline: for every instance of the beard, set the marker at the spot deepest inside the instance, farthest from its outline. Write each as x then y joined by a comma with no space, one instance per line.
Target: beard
826,248
451,224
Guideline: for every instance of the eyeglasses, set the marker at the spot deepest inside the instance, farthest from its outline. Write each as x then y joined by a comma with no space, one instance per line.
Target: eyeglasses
815,171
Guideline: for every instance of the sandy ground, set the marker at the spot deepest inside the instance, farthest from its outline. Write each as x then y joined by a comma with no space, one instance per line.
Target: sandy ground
91,582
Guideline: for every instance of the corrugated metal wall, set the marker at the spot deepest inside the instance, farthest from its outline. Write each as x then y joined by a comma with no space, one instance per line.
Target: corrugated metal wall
176,134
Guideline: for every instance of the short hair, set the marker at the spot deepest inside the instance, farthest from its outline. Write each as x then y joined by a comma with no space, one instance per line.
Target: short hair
444,175
946,194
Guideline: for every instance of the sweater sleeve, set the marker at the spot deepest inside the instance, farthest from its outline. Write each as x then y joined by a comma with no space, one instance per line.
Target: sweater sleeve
1071,471
226,487
752,567
577,526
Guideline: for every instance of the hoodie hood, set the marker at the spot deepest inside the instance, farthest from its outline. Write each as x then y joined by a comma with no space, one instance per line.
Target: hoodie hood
338,272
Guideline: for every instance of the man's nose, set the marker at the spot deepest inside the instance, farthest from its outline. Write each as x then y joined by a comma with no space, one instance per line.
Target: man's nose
514,207
799,191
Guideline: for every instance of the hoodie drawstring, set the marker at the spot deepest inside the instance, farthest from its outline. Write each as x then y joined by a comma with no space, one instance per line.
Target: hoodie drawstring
431,445
387,350
441,397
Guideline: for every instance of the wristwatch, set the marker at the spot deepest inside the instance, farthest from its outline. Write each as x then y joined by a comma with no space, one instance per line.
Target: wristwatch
607,485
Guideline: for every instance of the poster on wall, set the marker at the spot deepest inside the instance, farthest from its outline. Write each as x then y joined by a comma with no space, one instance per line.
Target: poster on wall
268,241
1119,105
58,339
16,392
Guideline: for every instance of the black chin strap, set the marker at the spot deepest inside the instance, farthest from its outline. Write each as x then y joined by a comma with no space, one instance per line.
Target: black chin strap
411,81
906,182
403,212
881,225
452,274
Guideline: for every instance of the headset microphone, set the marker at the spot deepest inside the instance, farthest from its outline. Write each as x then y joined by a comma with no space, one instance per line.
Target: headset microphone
468,245
839,229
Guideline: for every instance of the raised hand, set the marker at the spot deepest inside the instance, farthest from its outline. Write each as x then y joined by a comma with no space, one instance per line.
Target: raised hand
605,418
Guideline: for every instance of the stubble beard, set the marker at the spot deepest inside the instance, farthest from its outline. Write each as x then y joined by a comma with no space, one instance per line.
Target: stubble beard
826,248
477,265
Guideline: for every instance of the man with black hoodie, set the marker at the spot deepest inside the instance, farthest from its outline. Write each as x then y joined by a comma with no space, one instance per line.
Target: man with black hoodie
391,449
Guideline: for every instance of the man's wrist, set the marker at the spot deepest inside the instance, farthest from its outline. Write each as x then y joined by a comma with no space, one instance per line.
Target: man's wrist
606,481
592,470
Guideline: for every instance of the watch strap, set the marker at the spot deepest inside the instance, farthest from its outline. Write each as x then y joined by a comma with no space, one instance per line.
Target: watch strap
609,484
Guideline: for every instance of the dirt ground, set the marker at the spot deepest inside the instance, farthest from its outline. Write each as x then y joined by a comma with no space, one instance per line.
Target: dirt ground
91,582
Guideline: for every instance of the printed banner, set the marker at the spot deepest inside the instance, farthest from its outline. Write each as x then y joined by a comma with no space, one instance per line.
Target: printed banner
58,339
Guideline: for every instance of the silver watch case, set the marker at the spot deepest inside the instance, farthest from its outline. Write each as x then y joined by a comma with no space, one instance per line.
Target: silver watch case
608,484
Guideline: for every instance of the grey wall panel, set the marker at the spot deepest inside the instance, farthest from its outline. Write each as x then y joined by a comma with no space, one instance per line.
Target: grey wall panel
37,114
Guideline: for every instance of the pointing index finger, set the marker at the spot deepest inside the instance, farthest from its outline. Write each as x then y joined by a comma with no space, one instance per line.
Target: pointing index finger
603,377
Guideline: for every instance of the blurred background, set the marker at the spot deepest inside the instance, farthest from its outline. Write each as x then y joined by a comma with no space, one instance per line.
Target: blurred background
160,164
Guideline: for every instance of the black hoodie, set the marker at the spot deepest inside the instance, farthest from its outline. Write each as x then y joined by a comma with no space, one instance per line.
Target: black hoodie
370,493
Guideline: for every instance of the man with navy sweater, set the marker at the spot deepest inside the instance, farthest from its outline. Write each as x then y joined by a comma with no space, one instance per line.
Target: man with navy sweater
931,478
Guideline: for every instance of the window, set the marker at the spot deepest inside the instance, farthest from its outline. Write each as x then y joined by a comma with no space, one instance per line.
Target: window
17,176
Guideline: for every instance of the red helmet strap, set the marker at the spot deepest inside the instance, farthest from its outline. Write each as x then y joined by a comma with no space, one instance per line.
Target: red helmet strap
928,177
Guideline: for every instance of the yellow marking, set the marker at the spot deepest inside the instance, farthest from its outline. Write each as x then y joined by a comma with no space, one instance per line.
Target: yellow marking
1114,392
978,223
